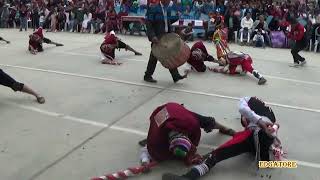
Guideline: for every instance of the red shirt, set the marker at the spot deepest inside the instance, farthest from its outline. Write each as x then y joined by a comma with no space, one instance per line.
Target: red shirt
166,118
297,33
198,62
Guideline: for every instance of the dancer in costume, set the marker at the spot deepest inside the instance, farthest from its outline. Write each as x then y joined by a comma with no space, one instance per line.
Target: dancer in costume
175,132
108,47
233,62
36,39
198,56
259,137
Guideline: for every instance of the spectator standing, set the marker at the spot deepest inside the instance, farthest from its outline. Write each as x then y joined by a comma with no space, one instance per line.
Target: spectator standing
23,15
35,15
4,16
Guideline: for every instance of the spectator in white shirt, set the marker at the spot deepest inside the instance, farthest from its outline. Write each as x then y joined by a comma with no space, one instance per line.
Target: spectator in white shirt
246,26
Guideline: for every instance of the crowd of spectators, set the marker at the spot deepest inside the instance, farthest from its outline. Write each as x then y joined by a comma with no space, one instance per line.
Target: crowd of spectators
253,16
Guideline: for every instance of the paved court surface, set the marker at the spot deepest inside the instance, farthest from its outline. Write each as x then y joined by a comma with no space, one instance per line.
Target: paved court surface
95,114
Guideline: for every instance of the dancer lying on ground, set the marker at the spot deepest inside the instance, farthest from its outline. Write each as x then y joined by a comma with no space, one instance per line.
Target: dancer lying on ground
259,138
175,132
233,62
198,56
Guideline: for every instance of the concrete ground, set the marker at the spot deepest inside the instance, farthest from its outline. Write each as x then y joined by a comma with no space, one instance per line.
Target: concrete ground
95,114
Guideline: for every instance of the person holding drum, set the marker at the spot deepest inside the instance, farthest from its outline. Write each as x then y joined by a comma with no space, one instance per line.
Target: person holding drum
108,48
158,22
36,39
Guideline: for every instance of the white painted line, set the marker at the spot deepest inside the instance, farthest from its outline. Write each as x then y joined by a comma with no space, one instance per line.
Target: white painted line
98,57
160,87
293,80
128,130
123,129
54,114
139,60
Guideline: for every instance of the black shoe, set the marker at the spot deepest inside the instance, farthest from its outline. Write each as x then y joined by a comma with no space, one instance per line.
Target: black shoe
262,81
179,78
169,176
143,143
149,79
58,44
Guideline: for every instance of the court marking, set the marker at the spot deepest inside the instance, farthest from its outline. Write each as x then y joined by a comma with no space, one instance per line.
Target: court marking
158,87
122,129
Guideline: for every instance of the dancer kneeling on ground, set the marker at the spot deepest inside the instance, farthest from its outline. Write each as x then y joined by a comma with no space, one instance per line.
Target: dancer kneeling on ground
1,39
109,46
36,39
8,81
198,55
175,132
259,138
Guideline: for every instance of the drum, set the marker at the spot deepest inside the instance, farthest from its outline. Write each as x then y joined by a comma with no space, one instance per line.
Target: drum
171,51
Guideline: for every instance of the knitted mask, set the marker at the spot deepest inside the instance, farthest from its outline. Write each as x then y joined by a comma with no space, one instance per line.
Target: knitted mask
180,145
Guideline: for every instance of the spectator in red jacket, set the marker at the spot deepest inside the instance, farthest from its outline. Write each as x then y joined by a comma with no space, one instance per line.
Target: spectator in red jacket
297,33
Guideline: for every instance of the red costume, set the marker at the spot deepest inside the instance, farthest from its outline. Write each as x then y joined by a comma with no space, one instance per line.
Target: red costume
36,40
244,60
297,33
110,41
165,119
198,56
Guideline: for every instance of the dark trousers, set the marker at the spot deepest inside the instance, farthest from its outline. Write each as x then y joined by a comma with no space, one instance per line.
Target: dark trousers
243,142
8,81
297,47
35,21
151,67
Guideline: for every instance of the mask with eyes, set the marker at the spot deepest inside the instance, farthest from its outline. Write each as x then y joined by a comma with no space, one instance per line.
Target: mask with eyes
198,54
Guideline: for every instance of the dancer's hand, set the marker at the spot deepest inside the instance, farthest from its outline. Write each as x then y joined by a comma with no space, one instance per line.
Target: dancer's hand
194,160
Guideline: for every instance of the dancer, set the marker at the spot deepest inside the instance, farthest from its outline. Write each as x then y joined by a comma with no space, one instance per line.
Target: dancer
1,39
36,39
108,47
199,54
258,138
232,62
8,81
175,132
298,34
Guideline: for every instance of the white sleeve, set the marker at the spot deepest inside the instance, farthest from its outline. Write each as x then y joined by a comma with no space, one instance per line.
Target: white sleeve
245,111
242,22
145,156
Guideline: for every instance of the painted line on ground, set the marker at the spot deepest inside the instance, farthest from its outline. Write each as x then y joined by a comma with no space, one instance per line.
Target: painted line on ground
160,87
145,61
122,129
